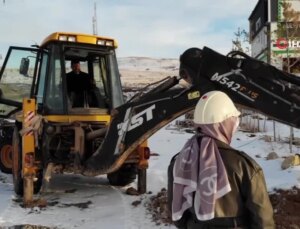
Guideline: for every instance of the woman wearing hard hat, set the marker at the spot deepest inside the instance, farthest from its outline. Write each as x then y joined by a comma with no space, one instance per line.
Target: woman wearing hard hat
212,185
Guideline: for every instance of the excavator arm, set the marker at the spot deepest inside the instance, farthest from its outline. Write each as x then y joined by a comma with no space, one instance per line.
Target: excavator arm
248,82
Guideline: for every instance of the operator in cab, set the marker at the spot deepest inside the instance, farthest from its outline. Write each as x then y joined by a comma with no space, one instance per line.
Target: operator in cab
82,89
211,184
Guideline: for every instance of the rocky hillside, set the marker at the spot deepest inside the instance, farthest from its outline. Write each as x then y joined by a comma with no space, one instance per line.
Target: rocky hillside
140,71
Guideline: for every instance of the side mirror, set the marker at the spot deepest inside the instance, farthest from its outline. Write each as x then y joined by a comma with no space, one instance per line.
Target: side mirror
24,66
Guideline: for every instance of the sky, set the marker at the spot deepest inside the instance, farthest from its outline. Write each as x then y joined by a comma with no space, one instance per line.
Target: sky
156,28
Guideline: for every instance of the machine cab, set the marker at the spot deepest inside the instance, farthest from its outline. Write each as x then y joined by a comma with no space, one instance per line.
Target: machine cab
45,73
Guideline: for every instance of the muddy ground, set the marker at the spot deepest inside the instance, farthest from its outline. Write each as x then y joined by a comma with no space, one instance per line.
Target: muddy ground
286,204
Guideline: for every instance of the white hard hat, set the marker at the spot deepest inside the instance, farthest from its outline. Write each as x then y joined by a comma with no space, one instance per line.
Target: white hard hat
214,107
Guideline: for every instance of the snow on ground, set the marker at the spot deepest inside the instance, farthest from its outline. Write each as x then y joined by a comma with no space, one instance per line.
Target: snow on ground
258,149
83,202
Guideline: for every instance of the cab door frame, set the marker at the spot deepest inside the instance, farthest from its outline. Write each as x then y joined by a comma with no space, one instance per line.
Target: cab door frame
15,104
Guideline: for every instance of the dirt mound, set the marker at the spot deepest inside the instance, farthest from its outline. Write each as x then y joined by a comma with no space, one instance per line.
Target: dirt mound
286,204
158,208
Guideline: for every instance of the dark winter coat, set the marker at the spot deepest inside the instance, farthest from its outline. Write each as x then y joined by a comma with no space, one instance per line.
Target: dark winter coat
247,205
80,84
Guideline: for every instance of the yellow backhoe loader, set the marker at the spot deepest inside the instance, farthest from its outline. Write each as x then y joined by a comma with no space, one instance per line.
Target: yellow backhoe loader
91,130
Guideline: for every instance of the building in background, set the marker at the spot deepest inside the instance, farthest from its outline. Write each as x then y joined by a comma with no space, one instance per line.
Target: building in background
270,45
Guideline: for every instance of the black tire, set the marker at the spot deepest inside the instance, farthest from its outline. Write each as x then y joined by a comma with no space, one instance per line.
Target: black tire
124,176
17,167
6,150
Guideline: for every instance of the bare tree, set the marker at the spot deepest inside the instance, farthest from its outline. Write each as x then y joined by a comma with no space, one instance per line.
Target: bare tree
241,42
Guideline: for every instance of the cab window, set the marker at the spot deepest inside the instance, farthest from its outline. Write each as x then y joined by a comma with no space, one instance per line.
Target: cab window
17,78
54,90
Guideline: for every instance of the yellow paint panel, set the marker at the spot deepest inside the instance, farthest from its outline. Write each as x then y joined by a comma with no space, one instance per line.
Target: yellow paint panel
28,139
73,118
144,144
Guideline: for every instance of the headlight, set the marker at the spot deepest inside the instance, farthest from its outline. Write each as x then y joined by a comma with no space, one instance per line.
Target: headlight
109,43
105,42
62,38
71,38
101,42
67,38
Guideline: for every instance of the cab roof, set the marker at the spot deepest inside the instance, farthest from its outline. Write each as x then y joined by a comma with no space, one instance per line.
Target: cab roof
79,38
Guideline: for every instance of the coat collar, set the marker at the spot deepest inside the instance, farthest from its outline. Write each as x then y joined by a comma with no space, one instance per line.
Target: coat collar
221,145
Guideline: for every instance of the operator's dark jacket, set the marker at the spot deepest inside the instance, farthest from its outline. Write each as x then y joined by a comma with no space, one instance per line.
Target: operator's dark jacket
80,83
247,205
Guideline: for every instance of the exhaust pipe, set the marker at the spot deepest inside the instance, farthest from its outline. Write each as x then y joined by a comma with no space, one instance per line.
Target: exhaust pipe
95,134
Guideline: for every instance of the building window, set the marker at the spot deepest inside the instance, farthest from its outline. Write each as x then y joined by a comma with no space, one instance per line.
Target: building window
257,24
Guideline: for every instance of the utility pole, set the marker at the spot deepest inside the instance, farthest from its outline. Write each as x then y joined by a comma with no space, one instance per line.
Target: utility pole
95,21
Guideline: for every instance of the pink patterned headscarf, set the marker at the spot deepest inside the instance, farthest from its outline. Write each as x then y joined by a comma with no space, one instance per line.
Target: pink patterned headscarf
199,173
